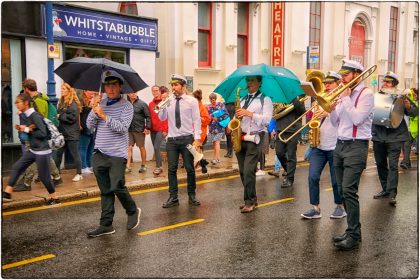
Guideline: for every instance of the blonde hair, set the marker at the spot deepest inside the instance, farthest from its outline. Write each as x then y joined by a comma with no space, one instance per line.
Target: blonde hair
68,100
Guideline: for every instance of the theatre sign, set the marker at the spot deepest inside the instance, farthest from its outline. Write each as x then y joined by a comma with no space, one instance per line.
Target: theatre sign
95,27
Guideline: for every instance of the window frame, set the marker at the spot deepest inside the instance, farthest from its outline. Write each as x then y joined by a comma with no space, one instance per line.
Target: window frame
244,36
207,63
392,40
317,31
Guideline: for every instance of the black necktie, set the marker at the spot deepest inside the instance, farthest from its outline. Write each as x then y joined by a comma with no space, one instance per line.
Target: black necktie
177,113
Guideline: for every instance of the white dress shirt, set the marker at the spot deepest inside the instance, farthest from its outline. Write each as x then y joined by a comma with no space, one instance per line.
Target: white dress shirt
327,135
261,117
190,117
346,115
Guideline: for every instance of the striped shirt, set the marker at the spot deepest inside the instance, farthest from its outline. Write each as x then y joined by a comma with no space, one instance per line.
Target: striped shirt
112,135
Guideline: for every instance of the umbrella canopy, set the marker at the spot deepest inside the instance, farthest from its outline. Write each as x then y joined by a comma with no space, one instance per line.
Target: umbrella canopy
279,83
86,73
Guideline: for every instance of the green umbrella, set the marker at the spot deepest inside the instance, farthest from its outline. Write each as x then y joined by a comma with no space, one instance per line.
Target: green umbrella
278,83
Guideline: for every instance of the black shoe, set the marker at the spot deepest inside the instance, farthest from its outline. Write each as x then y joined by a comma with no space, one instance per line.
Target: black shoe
203,164
6,196
286,183
403,166
101,230
134,220
57,182
171,202
193,200
380,194
342,237
22,187
347,244
392,201
274,173
53,202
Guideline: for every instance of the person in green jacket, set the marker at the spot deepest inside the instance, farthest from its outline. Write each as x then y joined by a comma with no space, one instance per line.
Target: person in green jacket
413,128
39,101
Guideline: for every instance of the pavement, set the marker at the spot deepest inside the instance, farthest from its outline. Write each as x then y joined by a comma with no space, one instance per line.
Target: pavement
88,188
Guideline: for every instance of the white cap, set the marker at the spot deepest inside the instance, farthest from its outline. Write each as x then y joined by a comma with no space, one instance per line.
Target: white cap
111,76
391,77
175,78
331,76
350,66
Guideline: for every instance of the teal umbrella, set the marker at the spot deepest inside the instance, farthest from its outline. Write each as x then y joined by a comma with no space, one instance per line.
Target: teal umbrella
279,83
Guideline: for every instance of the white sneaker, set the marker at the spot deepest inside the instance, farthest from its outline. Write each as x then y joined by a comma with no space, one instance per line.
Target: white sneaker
260,173
87,171
77,178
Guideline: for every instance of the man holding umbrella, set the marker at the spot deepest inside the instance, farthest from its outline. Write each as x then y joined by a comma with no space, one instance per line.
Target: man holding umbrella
256,111
111,118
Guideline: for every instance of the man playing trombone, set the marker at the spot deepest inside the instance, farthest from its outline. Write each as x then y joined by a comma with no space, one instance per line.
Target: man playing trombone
184,127
353,116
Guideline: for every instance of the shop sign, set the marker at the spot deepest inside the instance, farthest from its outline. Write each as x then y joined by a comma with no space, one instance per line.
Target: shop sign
53,51
313,54
84,26
277,34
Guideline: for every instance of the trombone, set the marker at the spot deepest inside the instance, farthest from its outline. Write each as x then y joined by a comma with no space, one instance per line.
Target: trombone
325,101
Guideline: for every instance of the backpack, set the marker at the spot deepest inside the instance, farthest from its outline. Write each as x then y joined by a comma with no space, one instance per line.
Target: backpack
55,138
52,110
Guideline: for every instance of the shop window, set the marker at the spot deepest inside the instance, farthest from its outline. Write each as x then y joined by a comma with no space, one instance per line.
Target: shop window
84,51
392,45
11,84
243,33
204,34
129,8
315,28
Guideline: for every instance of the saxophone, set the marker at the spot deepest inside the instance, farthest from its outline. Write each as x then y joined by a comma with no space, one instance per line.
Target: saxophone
235,125
314,132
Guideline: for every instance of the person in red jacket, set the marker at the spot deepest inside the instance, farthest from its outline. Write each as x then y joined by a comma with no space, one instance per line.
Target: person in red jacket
205,121
159,128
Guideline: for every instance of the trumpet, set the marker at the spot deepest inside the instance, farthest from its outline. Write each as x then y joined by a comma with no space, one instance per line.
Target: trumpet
164,103
326,101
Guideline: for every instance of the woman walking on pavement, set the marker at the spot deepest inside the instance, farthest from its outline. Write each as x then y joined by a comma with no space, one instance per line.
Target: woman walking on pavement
69,108
86,135
38,151
216,131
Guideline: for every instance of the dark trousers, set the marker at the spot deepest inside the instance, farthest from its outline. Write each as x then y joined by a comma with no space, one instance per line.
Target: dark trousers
350,159
286,153
247,162
386,157
71,146
175,147
109,173
406,148
43,165
317,161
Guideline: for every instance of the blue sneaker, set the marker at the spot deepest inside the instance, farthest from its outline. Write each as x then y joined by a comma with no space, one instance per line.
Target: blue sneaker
312,214
338,213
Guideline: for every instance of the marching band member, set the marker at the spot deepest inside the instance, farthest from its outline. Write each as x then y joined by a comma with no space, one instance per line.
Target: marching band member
184,127
387,144
353,116
256,111
320,155
286,152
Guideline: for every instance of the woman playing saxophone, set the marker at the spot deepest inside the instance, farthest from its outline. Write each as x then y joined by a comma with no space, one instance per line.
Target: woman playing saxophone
323,139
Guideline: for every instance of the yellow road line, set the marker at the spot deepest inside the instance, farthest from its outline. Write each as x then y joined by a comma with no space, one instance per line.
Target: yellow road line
328,189
28,261
86,200
275,202
170,227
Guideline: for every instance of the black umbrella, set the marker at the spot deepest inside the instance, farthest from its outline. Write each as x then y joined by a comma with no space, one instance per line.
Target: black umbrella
86,73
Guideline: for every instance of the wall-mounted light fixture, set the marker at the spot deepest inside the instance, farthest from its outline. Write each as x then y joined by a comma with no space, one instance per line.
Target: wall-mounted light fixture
266,50
339,56
190,42
299,52
231,46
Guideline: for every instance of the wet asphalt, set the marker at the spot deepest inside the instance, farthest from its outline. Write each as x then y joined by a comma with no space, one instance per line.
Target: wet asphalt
271,242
